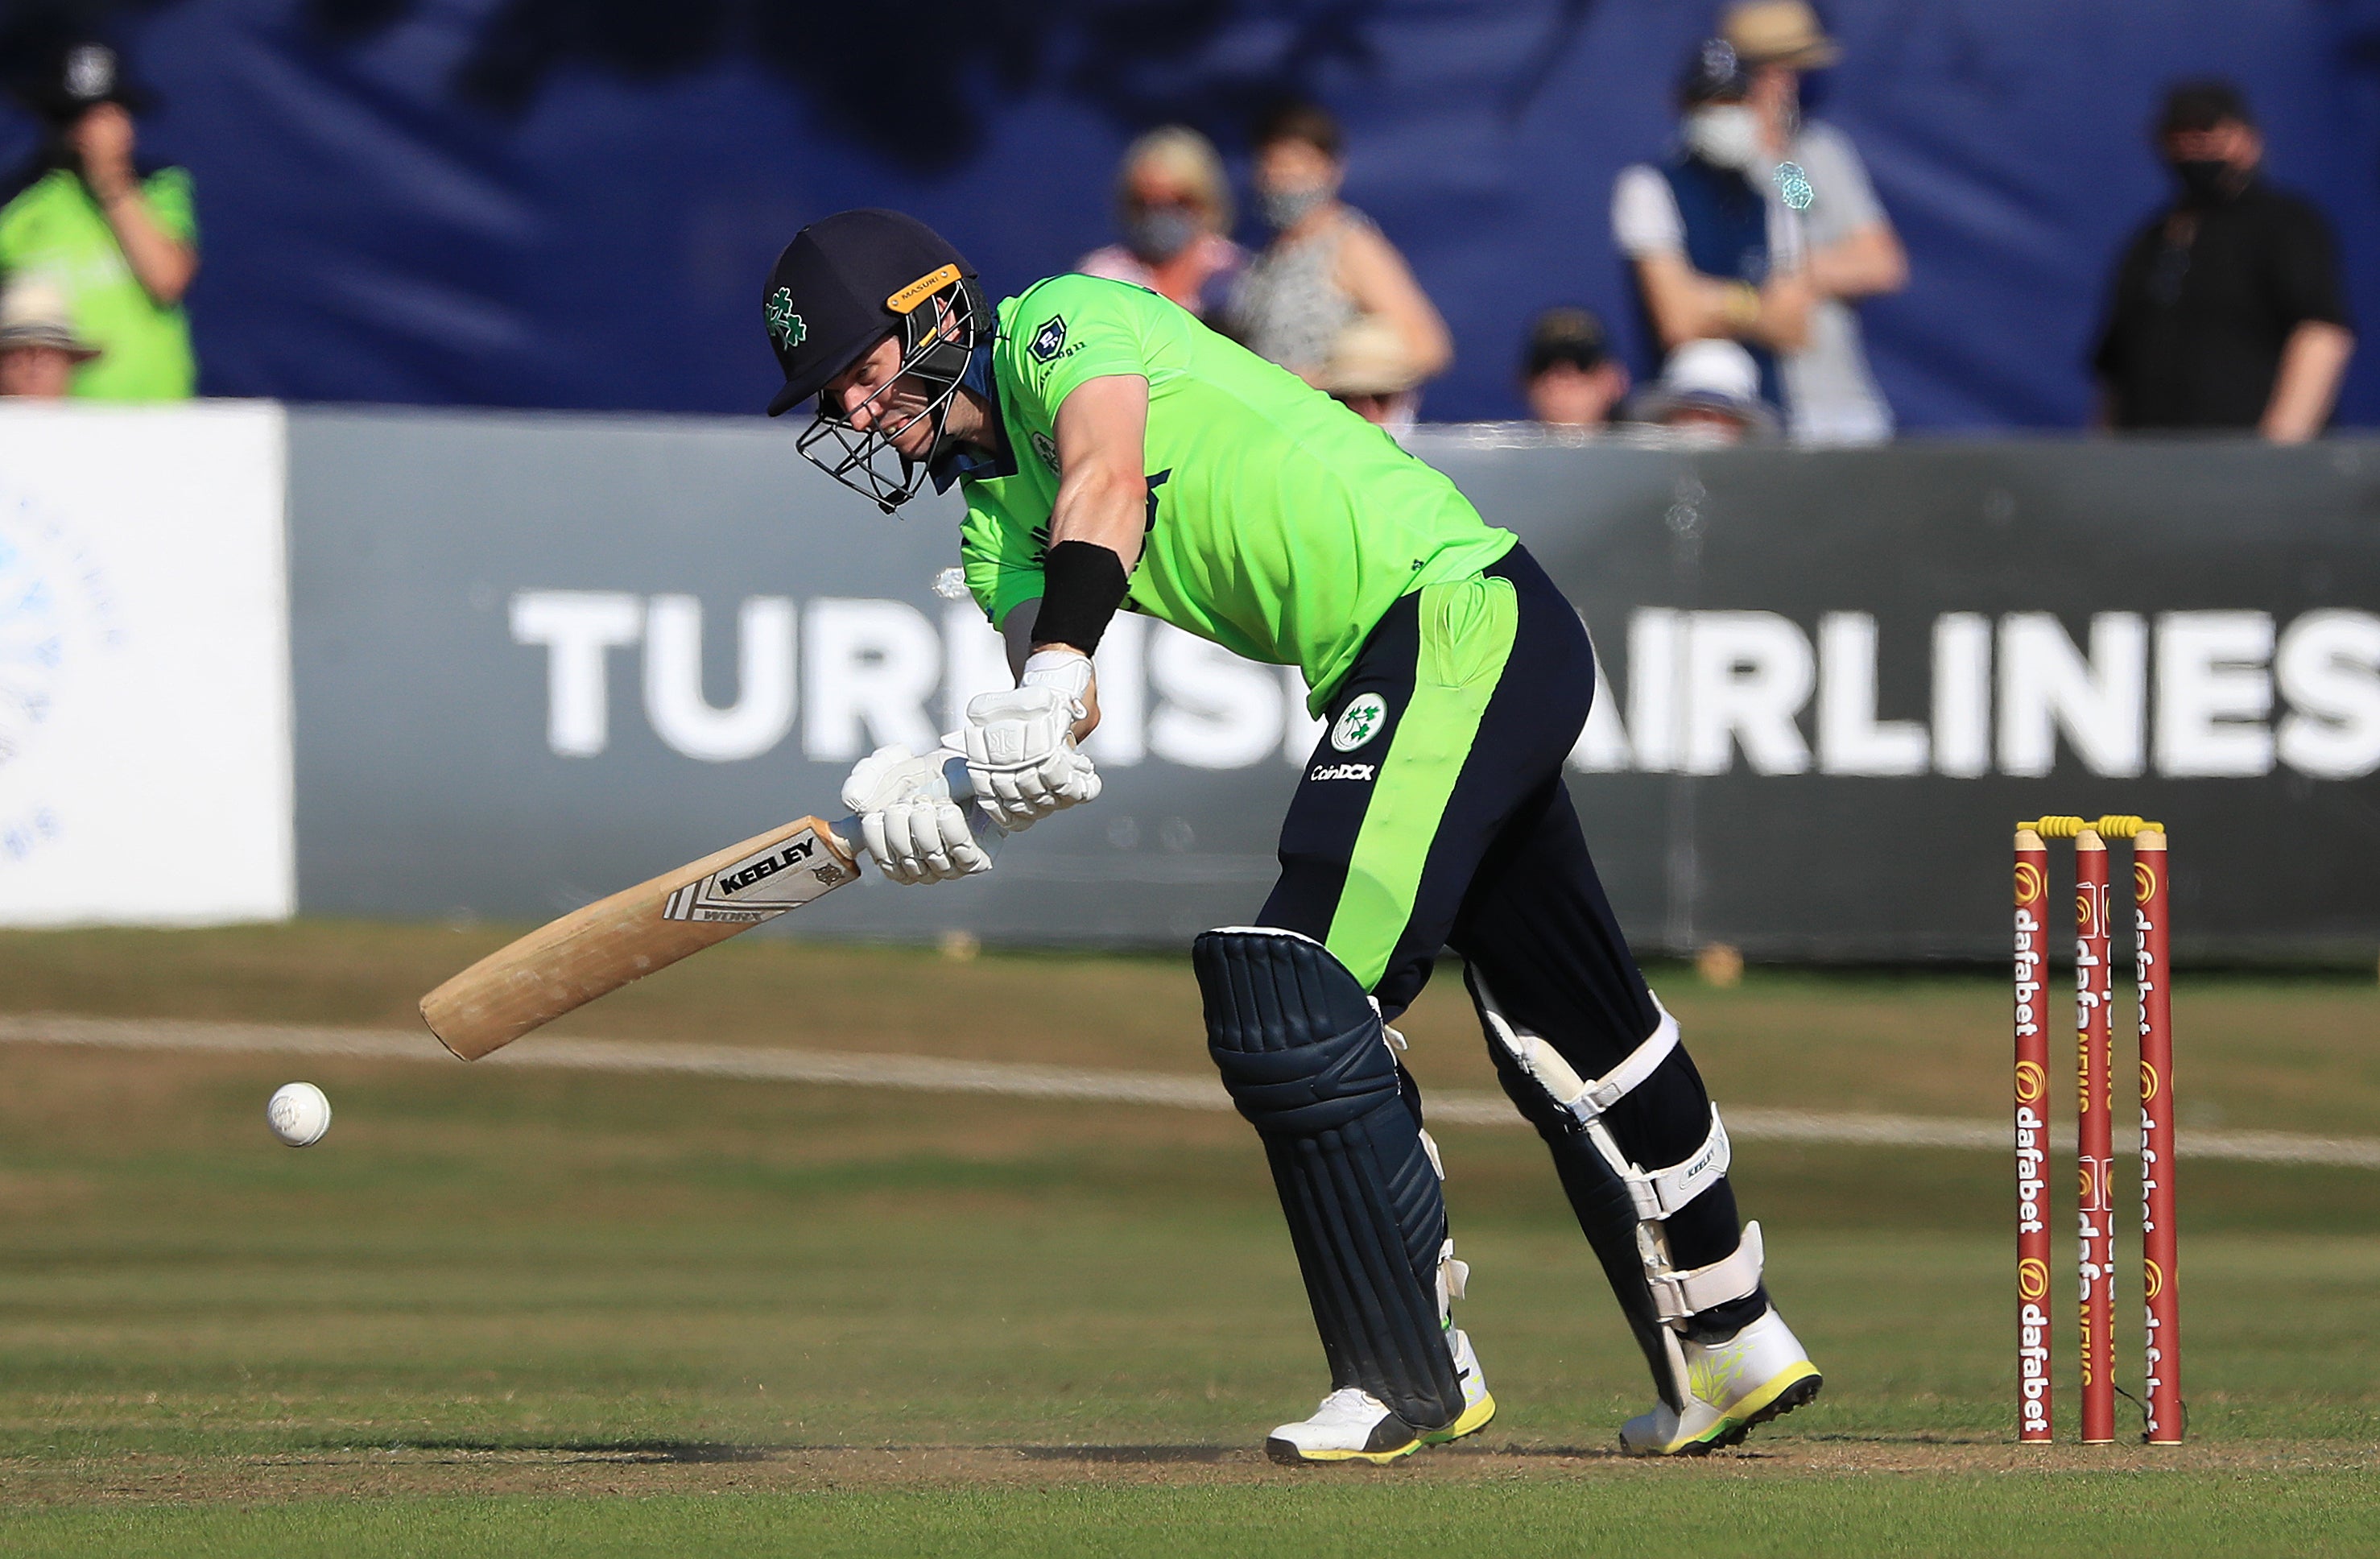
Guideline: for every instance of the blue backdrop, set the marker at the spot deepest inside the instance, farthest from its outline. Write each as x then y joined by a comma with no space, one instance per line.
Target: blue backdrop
571,202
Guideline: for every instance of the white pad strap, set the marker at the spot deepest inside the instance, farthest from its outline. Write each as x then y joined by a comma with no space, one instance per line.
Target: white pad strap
1622,1079
1663,1191
1656,1194
1453,1277
1271,930
1678,1294
1586,1098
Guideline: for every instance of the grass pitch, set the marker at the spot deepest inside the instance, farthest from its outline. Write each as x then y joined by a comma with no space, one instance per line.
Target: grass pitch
570,1313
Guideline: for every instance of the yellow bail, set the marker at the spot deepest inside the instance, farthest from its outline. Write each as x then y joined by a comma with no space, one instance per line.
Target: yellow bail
2115,825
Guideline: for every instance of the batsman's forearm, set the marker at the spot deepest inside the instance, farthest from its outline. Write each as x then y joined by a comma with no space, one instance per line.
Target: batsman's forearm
1016,632
1103,504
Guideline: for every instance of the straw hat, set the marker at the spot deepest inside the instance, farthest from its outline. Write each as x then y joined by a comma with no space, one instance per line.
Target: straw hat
35,314
1779,33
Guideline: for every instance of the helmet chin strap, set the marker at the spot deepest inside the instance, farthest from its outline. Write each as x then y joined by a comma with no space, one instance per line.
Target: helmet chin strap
935,347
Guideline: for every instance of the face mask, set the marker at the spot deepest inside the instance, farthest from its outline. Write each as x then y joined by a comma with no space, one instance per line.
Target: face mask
1156,235
1286,208
1726,135
2206,181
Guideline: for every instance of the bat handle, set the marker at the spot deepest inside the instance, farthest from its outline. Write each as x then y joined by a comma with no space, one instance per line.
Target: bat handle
845,830
988,834
955,775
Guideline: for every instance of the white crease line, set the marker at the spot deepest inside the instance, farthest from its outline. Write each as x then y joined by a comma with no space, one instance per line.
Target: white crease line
1019,1079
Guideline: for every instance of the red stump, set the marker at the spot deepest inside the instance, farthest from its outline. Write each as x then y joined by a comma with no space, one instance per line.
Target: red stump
2034,1330
2095,1148
2162,1375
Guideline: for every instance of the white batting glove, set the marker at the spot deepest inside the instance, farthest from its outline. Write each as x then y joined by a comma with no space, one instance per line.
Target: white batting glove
1020,745
1062,671
907,820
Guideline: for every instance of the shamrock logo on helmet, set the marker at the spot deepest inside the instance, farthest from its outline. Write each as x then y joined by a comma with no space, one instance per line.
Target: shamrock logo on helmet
783,323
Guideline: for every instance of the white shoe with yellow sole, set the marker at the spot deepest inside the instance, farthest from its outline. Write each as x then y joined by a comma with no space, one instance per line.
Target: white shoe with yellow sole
1478,1406
1353,1425
1732,1387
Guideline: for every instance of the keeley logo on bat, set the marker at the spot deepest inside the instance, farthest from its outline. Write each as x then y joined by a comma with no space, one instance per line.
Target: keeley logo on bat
764,885
794,854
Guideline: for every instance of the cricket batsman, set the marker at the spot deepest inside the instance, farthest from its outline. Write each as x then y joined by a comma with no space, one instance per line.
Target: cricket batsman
1116,455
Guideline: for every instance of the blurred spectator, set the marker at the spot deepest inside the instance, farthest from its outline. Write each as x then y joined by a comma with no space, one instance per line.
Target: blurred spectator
1715,253
1708,393
1851,251
118,243
1371,371
1327,266
1569,374
39,349
2227,310
1174,207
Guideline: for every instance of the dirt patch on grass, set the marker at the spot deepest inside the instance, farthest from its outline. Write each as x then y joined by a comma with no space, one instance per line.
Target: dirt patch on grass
694,1467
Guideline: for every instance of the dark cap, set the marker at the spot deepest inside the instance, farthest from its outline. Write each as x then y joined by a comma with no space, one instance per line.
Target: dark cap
2200,105
80,76
1298,120
844,283
1714,74
1571,335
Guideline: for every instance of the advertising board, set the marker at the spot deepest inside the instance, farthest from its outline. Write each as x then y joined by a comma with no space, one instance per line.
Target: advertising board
539,657
144,683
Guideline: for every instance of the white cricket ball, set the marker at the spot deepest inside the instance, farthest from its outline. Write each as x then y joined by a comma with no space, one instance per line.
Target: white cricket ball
298,1113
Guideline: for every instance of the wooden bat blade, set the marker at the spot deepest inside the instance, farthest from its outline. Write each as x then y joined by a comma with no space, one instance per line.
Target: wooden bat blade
594,951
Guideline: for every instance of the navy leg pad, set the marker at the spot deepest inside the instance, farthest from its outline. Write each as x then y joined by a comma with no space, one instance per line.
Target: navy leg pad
1304,1057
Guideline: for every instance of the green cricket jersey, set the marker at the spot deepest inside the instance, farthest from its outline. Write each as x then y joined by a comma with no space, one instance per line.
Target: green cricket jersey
1281,525
56,232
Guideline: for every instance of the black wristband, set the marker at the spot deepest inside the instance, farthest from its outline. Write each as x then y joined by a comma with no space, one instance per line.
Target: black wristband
1082,585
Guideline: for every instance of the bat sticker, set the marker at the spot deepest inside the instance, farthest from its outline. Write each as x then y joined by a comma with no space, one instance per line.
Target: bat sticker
785,874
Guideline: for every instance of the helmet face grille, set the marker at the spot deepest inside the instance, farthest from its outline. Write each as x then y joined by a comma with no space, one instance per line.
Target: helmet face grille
938,340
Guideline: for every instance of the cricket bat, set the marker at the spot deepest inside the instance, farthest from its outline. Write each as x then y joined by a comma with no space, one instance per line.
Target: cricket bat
592,952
